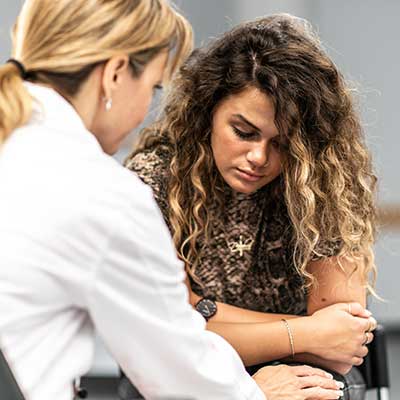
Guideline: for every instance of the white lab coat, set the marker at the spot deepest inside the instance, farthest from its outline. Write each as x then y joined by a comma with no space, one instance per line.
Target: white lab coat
82,247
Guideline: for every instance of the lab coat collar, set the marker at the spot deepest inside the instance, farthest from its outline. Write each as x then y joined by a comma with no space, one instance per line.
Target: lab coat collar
55,111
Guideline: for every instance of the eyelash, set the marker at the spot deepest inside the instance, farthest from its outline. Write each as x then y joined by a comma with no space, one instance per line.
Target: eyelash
244,135
156,88
251,136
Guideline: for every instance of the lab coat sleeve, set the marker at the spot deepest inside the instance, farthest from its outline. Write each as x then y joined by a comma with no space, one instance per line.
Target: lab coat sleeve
139,305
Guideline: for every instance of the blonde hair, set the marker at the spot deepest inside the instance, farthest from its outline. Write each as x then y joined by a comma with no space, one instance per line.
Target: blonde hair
61,42
328,184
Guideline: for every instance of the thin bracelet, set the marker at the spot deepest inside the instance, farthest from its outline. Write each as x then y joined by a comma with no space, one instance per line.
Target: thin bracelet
289,331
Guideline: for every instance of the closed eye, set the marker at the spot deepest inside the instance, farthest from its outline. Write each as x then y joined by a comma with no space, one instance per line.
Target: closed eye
244,135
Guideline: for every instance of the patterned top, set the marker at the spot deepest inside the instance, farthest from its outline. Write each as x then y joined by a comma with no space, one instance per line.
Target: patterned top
262,276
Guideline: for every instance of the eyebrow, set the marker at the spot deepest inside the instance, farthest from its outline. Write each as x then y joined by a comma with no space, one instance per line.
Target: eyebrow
246,121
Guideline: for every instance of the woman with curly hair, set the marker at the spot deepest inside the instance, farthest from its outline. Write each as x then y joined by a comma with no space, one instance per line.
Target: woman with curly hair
259,166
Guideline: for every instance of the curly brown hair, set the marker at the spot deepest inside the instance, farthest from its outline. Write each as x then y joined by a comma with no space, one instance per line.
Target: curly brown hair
328,182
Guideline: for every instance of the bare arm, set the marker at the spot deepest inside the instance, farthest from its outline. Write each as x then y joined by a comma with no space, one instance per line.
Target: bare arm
258,341
227,313
256,336
335,284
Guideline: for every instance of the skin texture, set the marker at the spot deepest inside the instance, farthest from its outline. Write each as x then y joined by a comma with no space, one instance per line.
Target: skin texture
297,383
245,141
131,97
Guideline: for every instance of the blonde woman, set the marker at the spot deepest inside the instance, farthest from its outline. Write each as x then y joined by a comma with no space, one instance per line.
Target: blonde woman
259,167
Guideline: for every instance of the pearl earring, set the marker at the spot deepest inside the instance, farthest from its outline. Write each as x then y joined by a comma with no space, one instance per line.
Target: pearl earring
108,104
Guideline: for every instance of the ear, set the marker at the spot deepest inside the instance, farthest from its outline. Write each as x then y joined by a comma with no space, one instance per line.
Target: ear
113,74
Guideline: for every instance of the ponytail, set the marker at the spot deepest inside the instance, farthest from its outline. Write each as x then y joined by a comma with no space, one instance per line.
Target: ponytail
15,101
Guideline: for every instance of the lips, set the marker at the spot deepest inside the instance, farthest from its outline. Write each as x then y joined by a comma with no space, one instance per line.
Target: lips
250,176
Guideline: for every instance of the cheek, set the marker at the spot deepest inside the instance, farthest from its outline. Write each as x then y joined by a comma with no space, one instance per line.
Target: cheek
144,104
226,148
276,164
139,108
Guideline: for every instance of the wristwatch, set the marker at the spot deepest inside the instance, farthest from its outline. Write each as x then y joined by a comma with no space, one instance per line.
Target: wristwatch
206,307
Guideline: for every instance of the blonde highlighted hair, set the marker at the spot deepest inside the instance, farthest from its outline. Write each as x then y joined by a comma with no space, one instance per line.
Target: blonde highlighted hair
61,42
328,183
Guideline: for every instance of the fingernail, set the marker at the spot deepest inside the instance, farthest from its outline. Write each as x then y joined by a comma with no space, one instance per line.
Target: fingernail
328,375
339,384
340,393
369,313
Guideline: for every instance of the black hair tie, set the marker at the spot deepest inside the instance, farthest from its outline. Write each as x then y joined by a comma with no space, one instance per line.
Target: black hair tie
20,67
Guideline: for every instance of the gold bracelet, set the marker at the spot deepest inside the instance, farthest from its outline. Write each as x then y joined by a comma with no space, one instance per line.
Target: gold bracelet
291,341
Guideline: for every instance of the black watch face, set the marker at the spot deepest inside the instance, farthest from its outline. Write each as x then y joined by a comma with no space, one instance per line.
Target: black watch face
207,308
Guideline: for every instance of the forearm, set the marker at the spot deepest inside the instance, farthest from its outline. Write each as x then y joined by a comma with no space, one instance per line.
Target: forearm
232,314
227,313
262,342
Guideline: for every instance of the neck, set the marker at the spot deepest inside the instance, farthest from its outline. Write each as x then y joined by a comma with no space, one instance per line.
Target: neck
86,101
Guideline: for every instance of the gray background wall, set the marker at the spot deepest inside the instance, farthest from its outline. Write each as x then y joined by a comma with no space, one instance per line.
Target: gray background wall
362,36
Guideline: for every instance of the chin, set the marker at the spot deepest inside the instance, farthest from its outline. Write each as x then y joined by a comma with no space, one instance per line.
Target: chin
243,188
111,148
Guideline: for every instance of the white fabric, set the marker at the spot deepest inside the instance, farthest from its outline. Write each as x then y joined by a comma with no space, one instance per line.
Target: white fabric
83,247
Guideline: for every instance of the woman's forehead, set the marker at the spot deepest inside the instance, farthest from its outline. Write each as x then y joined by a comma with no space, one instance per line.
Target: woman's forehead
250,105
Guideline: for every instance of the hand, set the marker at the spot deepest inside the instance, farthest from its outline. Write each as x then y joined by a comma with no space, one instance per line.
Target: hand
339,336
340,368
302,382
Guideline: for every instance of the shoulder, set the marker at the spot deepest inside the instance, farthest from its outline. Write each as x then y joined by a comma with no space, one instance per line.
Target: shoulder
152,167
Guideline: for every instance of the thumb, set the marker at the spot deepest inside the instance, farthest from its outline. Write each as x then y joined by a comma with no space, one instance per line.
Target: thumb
357,310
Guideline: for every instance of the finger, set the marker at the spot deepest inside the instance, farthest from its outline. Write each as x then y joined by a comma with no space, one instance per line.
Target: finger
362,352
306,370
372,324
362,324
319,381
321,393
367,325
357,360
357,310
367,338
370,337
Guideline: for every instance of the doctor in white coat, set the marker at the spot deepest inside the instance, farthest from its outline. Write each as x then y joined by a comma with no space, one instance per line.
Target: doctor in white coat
82,243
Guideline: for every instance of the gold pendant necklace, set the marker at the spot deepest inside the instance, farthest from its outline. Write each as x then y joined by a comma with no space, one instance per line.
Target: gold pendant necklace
240,246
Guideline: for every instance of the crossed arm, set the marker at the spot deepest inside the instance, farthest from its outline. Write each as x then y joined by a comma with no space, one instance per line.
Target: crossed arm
331,338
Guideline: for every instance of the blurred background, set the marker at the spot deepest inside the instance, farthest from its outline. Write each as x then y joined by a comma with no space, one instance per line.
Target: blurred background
363,38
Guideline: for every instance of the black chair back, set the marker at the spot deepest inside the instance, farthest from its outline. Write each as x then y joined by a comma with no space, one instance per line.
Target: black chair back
375,367
9,388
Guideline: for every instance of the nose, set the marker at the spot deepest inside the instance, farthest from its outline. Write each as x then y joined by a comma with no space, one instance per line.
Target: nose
257,156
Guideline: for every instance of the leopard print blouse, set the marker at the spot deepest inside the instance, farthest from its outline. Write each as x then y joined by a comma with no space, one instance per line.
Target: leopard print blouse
247,261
